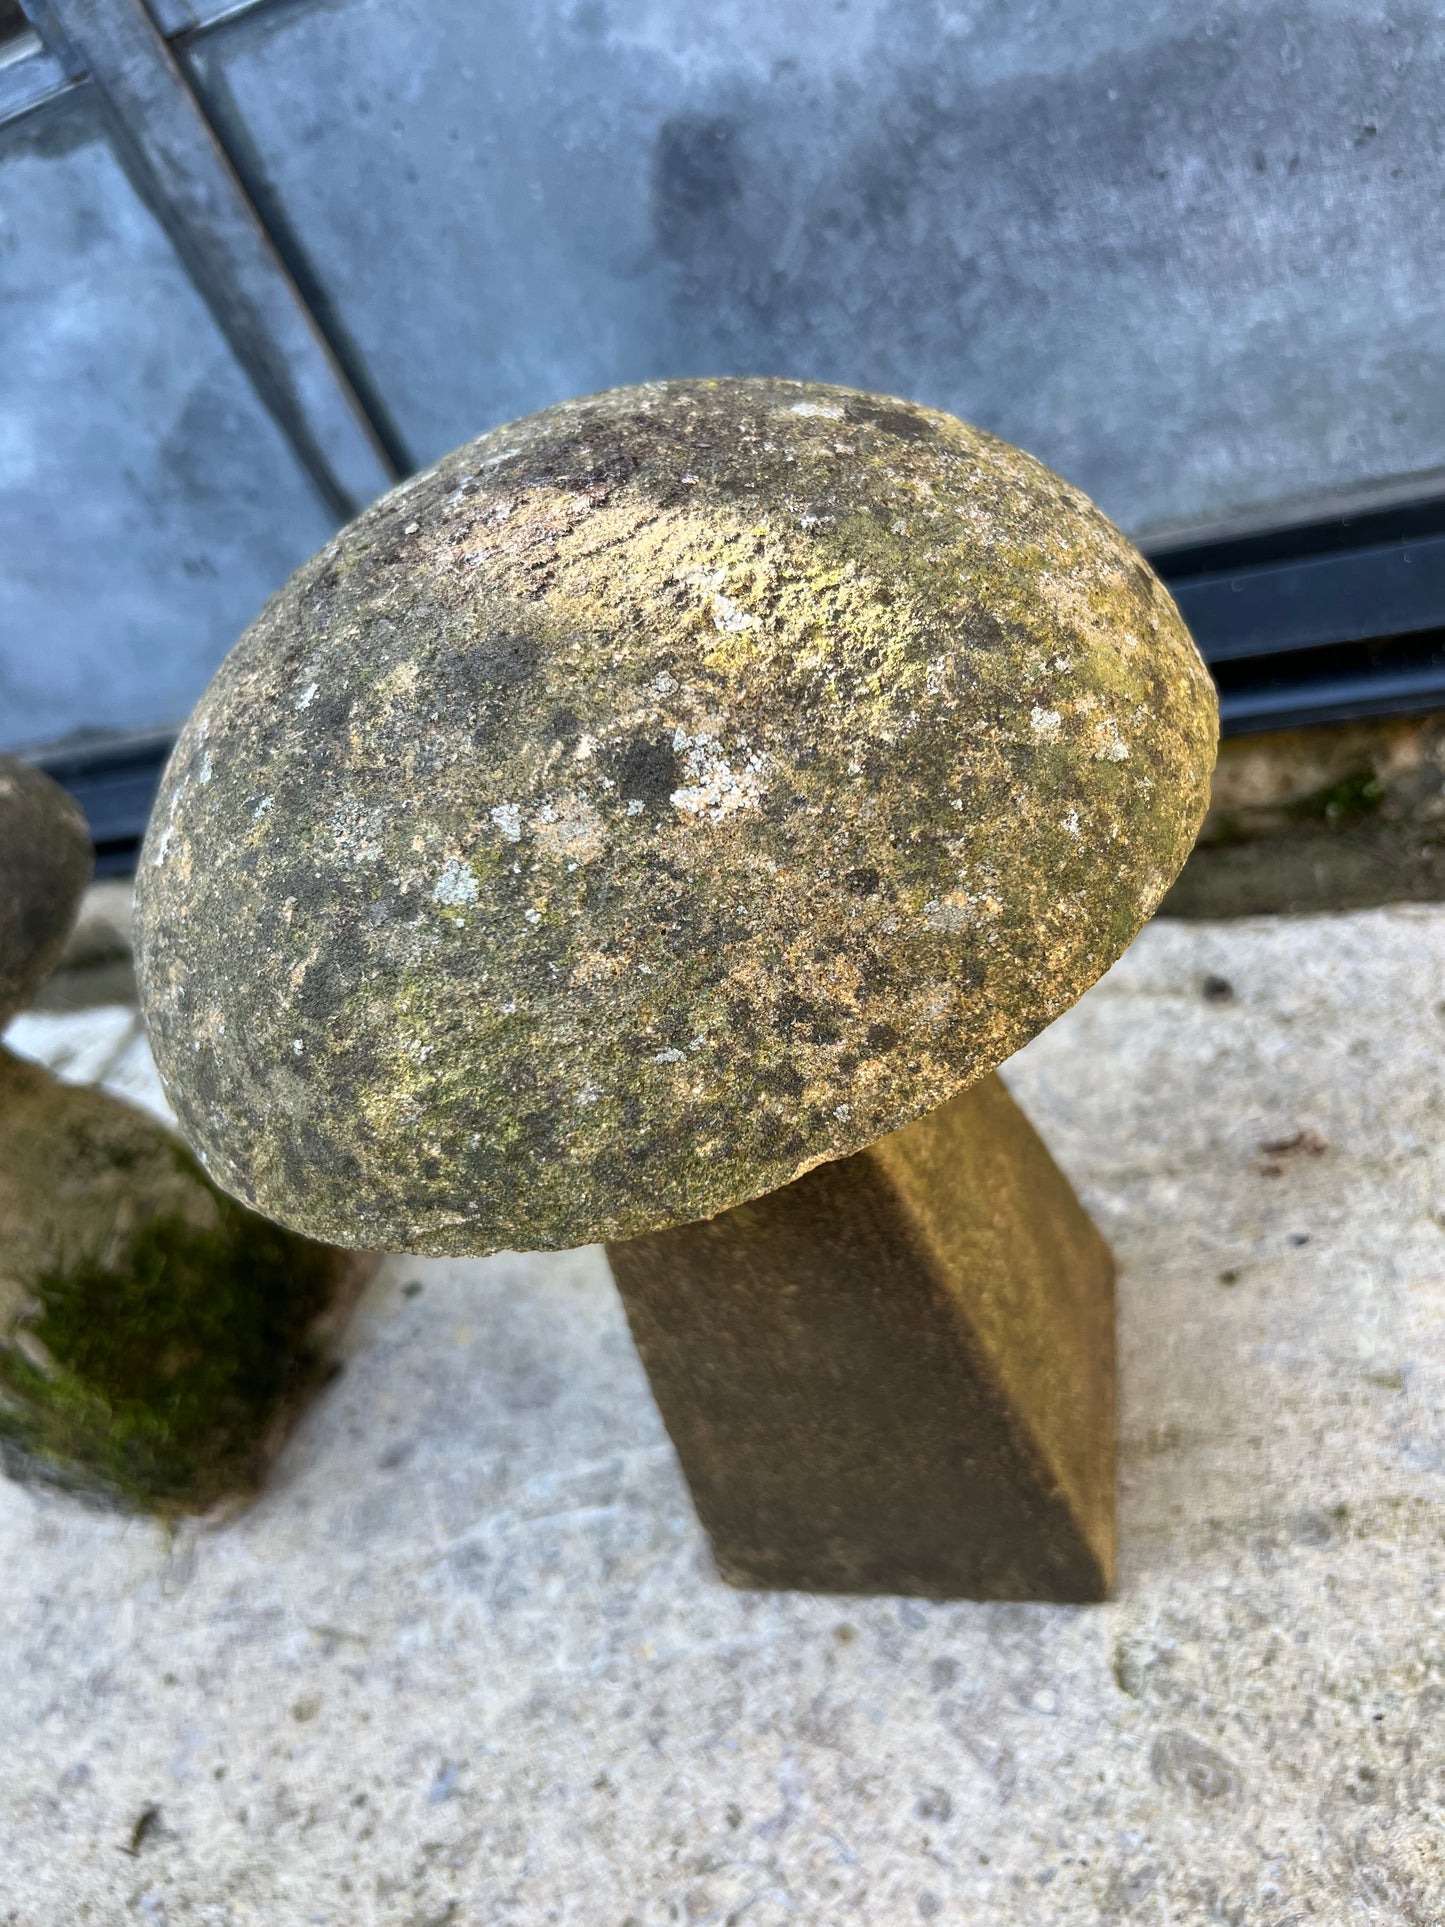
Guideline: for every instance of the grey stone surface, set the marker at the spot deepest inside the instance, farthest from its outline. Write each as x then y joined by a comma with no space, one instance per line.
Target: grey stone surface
465,1662
1187,256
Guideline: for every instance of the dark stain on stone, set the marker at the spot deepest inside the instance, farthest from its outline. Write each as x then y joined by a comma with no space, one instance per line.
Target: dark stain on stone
783,1080
504,659
648,771
330,710
742,1018
1188,1765
147,1825
876,975
1310,1528
320,1151
988,631
908,423
538,1129
792,1013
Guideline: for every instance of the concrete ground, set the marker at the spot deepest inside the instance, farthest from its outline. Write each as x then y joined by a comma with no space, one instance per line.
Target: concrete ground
466,1661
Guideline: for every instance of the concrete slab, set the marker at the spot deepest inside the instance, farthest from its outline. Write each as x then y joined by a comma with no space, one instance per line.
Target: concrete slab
466,1661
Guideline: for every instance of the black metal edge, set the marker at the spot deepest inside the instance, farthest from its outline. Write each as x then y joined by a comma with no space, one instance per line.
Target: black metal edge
103,751
1348,700
1396,522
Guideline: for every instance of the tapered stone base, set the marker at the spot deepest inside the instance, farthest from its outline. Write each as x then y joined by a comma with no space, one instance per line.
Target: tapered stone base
896,1375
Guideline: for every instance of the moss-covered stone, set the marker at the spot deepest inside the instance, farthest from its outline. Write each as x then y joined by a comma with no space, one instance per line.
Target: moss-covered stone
1340,816
154,1334
659,796
45,864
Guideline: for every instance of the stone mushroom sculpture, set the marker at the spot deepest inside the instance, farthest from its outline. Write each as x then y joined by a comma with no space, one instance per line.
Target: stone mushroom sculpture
653,824
45,864
155,1335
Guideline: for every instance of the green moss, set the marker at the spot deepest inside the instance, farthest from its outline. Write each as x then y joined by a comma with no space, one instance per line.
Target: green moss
169,1358
1359,794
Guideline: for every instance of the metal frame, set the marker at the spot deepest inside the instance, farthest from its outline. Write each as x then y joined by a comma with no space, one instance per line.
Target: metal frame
178,18
29,77
176,161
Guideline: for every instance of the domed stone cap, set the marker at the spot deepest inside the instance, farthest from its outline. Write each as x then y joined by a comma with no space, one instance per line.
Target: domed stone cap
45,864
659,796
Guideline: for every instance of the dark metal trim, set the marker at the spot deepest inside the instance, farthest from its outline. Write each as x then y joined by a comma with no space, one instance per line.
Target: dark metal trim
1348,597
1347,700
175,159
1320,621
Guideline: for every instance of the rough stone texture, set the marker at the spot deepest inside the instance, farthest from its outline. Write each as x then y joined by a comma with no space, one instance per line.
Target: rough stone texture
45,862
1334,818
895,1375
155,1336
660,795
466,1660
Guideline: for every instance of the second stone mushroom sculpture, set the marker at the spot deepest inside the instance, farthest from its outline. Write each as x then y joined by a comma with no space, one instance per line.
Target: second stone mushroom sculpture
654,824
156,1337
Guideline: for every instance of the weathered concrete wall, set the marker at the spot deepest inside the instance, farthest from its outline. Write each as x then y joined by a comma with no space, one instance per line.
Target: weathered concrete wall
1188,257
1336,818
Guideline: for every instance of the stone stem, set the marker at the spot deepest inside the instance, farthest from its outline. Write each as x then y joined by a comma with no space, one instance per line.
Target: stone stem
896,1374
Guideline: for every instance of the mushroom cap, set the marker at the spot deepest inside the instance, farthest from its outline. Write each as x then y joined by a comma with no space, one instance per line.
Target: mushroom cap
657,797
45,864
